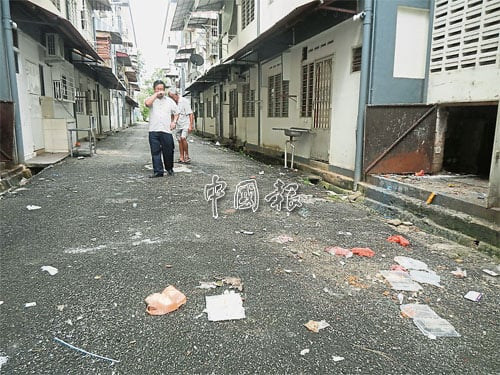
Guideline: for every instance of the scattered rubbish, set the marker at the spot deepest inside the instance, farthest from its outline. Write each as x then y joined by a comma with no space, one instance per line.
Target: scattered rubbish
354,281
227,306
287,271
207,285
60,307
337,358
410,263
398,239
246,232
420,173
233,282
1,302
51,270
32,207
398,267
315,326
261,172
197,235
401,298
84,351
425,277
407,223
30,304
3,361
315,253
304,351
335,250
168,300
400,281
98,277
23,182
491,273
81,157
217,143
344,233
282,239
473,296
428,322
460,273
134,205
182,168
363,251
430,198
394,222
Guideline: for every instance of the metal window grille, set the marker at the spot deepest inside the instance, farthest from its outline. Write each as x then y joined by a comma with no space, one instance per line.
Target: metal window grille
57,3
356,60
278,93
248,101
465,34
209,108
80,100
306,90
322,94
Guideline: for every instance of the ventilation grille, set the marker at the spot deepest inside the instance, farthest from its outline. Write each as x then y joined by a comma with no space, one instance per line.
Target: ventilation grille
465,34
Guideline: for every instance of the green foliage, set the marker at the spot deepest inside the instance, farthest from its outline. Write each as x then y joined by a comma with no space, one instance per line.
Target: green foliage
147,91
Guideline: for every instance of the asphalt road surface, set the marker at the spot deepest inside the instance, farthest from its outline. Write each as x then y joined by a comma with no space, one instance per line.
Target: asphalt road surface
116,236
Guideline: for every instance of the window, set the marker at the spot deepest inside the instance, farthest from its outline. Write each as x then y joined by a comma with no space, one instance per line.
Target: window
248,101
306,90
64,87
214,109
201,110
15,42
277,96
209,109
105,107
247,12
233,103
356,60
80,102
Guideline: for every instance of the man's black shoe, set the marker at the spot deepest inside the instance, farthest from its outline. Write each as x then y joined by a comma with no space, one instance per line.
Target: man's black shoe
156,175
170,172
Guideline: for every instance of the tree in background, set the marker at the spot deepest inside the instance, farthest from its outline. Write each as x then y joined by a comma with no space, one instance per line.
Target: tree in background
147,90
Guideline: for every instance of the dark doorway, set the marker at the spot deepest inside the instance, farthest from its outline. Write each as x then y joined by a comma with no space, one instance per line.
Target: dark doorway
469,140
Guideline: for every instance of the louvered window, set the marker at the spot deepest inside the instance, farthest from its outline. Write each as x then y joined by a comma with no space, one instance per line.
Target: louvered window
277,96
248,97
247,12
306,98
465,34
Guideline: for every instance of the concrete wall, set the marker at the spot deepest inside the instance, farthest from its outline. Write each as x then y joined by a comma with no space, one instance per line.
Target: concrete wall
389,50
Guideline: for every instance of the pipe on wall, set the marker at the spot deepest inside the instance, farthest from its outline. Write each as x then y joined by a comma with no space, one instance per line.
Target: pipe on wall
363,90
11,68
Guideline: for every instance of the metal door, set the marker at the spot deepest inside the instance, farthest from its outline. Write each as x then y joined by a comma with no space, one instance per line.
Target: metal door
322,98
34,108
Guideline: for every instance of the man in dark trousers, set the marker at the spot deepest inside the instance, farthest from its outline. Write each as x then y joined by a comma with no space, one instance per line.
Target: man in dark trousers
163,115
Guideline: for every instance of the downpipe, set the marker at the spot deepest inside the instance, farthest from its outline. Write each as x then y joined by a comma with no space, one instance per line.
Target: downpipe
367,16
11,67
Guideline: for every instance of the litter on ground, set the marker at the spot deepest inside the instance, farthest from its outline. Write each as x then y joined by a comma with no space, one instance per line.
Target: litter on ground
168,300
428,322
227,306
51,270
315,326
473,296
400,280
398,239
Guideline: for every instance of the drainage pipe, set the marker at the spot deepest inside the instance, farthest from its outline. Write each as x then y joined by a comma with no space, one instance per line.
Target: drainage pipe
11,66
363,90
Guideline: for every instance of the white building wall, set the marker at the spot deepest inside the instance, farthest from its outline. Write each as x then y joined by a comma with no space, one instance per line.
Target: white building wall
468,85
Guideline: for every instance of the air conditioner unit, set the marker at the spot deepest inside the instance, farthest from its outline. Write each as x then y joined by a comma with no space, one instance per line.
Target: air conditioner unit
54,47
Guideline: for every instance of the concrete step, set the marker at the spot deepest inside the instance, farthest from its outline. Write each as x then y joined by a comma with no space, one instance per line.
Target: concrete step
397,202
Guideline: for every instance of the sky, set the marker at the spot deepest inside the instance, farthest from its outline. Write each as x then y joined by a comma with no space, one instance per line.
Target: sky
149,17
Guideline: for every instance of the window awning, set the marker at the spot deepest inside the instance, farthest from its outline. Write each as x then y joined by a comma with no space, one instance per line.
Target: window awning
131,75
123,58
130,101
101,5
102,74
184,9
34,13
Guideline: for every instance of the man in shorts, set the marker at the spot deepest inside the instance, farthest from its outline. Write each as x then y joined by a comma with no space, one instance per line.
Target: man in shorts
184,124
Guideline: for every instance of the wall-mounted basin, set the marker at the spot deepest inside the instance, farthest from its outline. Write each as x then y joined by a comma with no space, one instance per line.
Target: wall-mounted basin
295,132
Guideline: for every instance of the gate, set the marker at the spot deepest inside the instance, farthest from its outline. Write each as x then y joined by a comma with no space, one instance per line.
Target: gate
399,138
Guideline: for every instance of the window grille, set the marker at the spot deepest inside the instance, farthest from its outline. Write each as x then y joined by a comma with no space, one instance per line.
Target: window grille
209,108
248,97
306,89
356,60
277,96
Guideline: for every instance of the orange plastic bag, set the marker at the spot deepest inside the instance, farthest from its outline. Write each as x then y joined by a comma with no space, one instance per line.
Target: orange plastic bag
399,239
363,251
167,301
